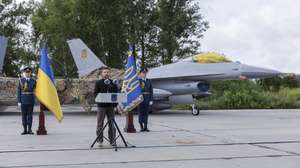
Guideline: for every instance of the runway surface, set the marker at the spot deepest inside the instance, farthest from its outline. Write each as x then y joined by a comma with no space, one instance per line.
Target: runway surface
215,138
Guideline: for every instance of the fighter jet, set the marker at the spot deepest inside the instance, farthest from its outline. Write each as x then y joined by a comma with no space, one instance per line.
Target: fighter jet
181,82
3,45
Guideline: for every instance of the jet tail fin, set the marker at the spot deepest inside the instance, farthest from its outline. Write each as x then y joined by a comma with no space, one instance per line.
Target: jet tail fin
85,60
3,45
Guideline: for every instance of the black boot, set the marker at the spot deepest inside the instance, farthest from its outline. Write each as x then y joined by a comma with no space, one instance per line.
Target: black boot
29,130
25,130
142,127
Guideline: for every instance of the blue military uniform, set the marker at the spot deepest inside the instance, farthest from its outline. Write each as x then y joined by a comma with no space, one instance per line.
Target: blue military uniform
26,98
143,108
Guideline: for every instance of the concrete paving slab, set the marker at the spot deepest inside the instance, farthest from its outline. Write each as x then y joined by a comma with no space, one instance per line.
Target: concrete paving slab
284,161
70,109
84,127
229,138
288,147
136,155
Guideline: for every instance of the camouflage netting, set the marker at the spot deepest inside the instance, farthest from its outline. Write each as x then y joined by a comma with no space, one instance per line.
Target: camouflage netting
8,91
70,91
115,74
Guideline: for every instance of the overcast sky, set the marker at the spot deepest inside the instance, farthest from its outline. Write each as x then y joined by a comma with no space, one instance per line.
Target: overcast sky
256,32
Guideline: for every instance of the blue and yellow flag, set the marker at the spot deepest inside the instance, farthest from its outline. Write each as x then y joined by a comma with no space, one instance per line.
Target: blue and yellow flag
45,89
131,85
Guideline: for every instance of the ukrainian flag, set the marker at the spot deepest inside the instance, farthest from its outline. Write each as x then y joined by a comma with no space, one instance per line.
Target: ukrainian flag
45,89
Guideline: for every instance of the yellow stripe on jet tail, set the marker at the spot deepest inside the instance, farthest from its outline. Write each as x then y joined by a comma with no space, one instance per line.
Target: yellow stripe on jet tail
46,93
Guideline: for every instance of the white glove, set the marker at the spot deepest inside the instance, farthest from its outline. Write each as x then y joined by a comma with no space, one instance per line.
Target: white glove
19,105
150,103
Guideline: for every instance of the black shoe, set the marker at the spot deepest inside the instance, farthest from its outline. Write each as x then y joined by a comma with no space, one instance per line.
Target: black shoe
142,127
146,128
24,133
30,132
142,130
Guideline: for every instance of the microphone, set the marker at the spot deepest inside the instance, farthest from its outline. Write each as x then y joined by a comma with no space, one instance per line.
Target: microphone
107,82
110,84
115,82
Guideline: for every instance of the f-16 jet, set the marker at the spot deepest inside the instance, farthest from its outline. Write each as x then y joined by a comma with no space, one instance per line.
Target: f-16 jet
181,82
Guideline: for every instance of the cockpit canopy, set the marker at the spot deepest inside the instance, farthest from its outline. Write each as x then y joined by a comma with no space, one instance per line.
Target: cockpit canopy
209,58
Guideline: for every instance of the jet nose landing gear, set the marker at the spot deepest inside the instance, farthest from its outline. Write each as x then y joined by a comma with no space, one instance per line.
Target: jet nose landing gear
195,110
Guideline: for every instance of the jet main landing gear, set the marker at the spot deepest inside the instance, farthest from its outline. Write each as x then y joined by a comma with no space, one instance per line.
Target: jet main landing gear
195,110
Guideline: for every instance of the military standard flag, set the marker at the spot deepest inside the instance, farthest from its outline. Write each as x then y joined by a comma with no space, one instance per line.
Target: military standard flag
131,85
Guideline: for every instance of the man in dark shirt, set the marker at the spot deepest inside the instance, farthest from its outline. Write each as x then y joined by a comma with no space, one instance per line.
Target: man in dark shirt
105,85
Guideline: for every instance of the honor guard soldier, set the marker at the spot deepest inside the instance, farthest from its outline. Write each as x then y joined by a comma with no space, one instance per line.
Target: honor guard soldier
26,99
106,85
144,107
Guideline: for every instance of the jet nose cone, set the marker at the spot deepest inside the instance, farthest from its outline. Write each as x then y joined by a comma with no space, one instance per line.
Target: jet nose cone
257,72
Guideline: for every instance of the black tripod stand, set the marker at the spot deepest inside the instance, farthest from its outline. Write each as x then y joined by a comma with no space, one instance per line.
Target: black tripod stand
115,140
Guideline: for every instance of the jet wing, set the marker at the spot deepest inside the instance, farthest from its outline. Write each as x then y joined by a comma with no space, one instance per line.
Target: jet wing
189,71
195,78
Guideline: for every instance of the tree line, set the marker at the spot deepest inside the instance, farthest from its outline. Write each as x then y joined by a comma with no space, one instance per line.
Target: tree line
162,31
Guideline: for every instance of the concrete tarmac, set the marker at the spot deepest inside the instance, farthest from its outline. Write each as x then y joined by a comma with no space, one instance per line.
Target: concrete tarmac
214,139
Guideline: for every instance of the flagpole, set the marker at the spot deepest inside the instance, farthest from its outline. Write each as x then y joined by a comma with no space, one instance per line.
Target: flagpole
46,92
41,129
129,127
